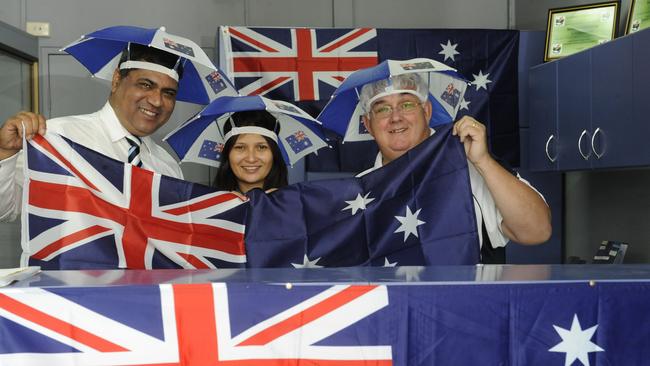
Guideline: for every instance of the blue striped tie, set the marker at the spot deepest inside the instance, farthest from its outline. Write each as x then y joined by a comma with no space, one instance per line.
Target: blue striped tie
134,150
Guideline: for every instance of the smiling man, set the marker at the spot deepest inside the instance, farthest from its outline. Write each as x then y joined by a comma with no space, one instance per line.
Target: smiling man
397,112
142,98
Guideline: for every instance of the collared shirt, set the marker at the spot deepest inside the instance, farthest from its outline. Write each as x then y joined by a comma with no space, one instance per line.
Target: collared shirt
100,131
484,206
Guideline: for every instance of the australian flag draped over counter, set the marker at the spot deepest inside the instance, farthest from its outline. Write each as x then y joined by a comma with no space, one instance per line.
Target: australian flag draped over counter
304,66
519,324
84,210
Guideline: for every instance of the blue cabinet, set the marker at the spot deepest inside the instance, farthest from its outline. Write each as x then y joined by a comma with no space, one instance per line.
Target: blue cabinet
591,109
543,135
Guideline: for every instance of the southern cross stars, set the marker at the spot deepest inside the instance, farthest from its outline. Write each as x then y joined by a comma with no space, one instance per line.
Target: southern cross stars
358,203
409,223
576,343
449,50
464,104
480,80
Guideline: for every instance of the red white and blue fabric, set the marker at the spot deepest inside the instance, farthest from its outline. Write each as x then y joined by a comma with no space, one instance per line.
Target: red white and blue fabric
84,210
198,324
100,52
294,64
421,323
487,58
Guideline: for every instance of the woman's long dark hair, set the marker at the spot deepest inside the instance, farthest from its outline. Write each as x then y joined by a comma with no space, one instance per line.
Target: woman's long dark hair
277,177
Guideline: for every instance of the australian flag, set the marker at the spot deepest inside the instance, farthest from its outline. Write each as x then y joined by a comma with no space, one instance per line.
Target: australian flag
417,210
85,210
422,323
298,142
451,95
211,150
306,65
176,46
216,82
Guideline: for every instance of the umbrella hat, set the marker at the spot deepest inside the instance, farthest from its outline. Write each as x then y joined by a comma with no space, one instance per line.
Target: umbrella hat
100,52
201,138
343,112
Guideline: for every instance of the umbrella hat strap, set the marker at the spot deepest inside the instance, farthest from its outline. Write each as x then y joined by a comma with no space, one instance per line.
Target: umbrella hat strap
149,66
252,129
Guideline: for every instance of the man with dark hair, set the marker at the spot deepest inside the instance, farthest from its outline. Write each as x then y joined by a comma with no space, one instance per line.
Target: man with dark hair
142,98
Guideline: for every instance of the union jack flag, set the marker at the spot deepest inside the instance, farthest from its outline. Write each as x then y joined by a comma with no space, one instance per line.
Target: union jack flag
295,63
193,324
79,205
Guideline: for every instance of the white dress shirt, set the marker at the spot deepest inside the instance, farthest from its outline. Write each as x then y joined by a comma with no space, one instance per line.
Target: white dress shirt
100,131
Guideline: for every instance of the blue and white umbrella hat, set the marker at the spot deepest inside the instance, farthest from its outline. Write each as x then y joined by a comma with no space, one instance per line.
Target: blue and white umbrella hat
201,138
100,53
343,112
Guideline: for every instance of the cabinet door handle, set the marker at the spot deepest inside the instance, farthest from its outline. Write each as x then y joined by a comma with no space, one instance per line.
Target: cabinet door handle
584,156
551,159
593,147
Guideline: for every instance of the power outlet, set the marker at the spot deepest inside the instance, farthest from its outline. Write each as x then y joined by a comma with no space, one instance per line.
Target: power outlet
38,29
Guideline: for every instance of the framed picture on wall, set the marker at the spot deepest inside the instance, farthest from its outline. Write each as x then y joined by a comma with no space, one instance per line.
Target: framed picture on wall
576,28
639,16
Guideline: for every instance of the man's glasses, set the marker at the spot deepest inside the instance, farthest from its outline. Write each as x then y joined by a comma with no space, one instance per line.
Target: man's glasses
403,108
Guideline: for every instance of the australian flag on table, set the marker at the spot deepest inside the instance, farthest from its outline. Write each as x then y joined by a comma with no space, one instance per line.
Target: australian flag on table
305,66
550,323
84,210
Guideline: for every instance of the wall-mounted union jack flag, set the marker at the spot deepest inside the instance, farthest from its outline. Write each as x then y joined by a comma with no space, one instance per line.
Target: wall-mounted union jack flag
294,64
82,205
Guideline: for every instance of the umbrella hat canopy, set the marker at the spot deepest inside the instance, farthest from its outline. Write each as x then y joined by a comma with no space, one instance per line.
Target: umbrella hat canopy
343,112
100,52
201,138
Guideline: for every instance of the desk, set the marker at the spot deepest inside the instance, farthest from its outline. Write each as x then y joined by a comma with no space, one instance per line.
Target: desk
462,315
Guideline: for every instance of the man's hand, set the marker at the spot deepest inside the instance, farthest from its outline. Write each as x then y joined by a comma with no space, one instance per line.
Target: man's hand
473,135
11,132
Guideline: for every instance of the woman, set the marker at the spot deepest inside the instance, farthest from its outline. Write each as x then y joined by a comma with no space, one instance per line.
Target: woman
251,157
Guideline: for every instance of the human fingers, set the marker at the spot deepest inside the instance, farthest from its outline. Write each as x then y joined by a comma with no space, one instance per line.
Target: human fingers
32,123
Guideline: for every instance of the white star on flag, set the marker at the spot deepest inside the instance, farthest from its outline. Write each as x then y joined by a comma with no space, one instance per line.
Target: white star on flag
306,263
576,343
481,81
409,223
449,50
358,203
389,264
464,104
410,273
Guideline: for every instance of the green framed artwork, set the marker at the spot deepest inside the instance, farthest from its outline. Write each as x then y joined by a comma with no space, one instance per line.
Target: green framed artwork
576,28
639,16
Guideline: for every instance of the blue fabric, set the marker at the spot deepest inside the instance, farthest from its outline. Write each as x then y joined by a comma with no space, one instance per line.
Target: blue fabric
488,51
519,324
429,185
309,218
